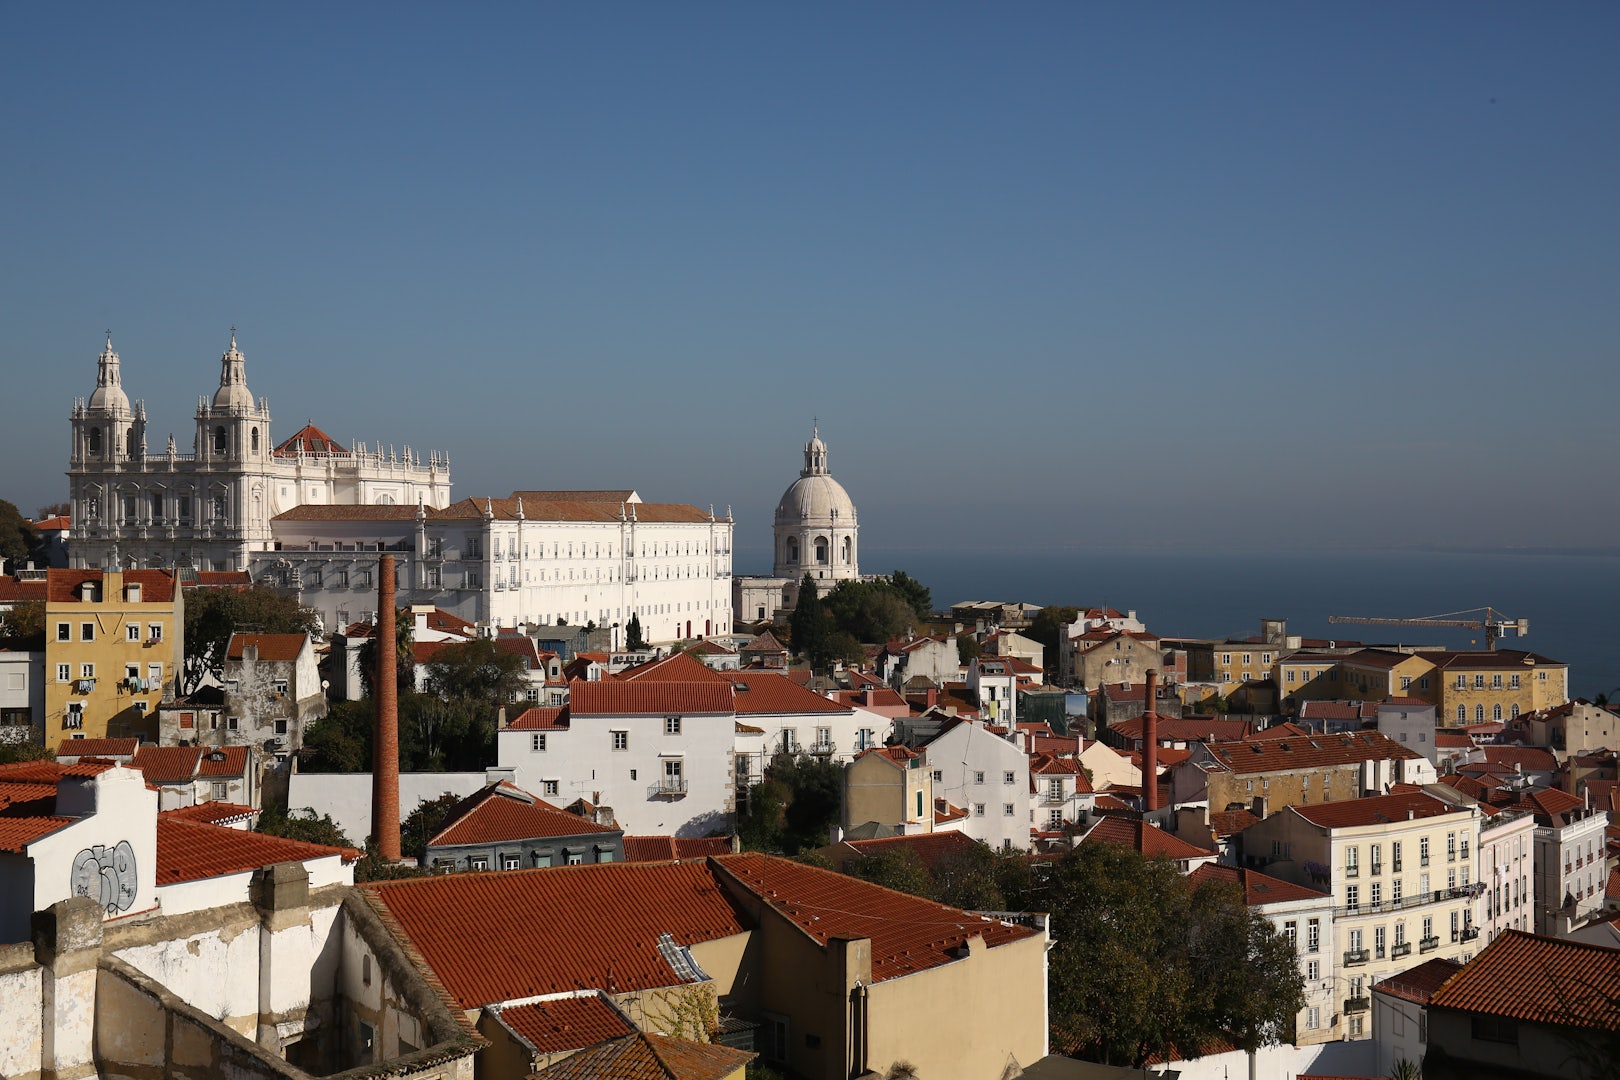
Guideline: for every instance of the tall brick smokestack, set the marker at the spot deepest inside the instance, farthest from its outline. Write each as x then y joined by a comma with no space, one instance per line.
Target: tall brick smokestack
385,739
1150,743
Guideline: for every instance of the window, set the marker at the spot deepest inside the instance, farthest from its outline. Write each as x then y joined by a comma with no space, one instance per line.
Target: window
1513,682
132,632
978,809
87,631
1377,852
1496,682
621,740
672,725
64,672
154,632
537,743
64,631
1355,1024
1352,900
550,788
220,791
510,862
939,776
478,862
1479,682
1009,777
674,775
1395,891
281,727
1378,943
1313,1018
1423,851
1454,930
1007,809
1352,861
1313,969
87,671
1313,935
978,777
1376,894
1451,847
1395,856
1291,932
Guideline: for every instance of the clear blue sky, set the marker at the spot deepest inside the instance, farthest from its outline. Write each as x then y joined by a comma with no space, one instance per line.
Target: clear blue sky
1048,273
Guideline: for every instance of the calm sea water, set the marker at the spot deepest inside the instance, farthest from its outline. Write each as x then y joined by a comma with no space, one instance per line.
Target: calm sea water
1570,600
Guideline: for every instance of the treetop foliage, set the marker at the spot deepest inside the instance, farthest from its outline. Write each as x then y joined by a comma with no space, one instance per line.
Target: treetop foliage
213,615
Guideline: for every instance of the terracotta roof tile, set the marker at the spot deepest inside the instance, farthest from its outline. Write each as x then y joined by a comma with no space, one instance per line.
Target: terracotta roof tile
192,850
223,761
766,693
552,719
1540,980
908,933
668,848
309,439
62,586
168,764
1257,888
648,698
212,813
676,667
102,748
641,1056
1147,839
503,812
1231,822
1378,809
348,512
273,648
566,1023
929,847
1312,752
523,933
16,833
1419,983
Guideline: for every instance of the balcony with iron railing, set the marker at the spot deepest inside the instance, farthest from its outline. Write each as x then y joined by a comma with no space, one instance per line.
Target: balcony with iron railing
1470,933
822,749
1400,949
670,787
1428,944
1355,957
1357,1004
1438,896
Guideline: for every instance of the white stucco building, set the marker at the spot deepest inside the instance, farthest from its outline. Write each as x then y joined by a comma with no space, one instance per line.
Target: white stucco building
211,507
981,770
534,558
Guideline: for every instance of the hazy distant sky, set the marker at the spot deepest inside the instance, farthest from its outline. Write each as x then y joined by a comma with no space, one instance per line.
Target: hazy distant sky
1058,274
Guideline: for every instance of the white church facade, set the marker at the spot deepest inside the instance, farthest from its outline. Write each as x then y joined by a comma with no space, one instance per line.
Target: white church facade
209,509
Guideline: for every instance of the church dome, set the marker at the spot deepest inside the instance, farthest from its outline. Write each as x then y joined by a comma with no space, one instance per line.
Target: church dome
815,500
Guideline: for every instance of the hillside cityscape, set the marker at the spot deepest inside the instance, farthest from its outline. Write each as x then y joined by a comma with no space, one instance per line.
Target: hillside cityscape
315,766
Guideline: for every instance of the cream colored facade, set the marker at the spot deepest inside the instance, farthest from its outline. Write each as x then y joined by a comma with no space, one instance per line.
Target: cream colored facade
114,644
880,788
1404,891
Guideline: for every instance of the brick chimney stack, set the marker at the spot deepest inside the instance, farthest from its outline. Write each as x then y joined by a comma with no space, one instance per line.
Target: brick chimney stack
1150,742
385,739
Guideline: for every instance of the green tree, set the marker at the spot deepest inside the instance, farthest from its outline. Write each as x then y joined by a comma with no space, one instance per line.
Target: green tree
968,648
12,753
300,826
19,540
438,734
340,741
1048,627
478,670
898,868
793,808
914,592
423,824
633,641
969,878
870,610
26,619
404,657
842,645
55,509
809,626
213,615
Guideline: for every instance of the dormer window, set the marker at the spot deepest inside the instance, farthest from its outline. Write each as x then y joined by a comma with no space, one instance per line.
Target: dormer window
132,592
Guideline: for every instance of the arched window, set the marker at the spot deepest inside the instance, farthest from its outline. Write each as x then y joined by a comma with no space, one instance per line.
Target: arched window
791,549
821,551
129,443
95,442
849,551
255,440
1479,714
1515,713
219,439
1496,713
1462,714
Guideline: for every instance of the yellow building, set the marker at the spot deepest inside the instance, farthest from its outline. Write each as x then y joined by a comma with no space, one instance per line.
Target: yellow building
114,645
1487,687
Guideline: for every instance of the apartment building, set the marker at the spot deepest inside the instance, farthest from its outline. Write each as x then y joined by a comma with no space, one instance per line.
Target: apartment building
114,645
1403,878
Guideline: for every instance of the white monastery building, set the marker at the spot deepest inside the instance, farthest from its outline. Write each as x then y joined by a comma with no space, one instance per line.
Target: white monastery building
210,508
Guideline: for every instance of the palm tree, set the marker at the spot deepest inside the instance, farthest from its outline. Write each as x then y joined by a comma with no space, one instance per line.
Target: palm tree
1405,1069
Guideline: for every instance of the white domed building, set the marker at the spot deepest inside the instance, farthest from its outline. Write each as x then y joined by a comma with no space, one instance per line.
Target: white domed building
815,524
816,533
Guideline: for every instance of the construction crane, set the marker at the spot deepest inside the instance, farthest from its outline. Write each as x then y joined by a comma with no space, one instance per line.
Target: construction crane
1488,619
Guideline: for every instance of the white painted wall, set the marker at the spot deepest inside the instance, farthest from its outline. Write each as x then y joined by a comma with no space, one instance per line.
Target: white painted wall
347,796
957,757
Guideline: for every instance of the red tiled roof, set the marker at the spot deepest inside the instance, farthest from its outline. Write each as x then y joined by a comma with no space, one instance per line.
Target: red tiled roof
50,772
764,643
1540,980
908,933
1552,807
1419,983
667,848
309,439
212,813
1525,758
168,764
446,623
273,648
929,847
648,698
541,720
1376,810
1192,729
62,586
767,693
348,512
884,698
13,591
16,833
944,812
1311,752
1231,822
566,1023
27,798
898,754
192,850
1147,839
59,523
502,812
523,933
103,748
641,1056
1257,888
223,761
676,667
1339,710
